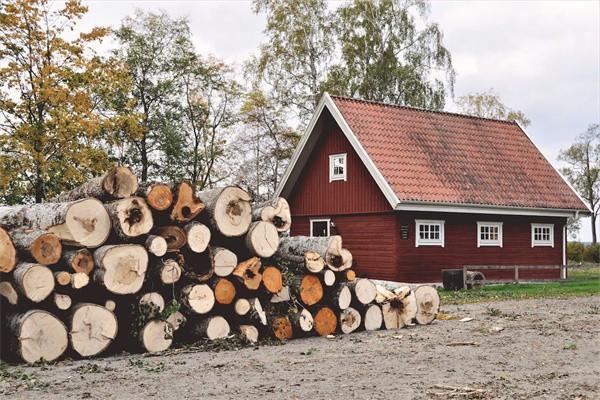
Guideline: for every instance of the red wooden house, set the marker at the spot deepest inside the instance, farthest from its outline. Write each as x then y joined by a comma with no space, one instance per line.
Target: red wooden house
414,191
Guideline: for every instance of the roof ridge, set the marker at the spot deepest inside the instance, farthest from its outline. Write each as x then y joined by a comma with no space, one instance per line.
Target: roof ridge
455,114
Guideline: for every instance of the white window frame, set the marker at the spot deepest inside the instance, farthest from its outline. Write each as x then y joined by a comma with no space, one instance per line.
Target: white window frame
332,176
489,243
328,220
429,242
542,243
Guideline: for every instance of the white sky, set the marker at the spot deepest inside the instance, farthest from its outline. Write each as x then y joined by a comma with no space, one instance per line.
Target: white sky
541,57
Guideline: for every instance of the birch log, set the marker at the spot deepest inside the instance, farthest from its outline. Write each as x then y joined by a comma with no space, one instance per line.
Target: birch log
328,247
156,245
34,281
156,335
158,195
119,182
350,320
198,236
364,290
372,317
121,269
302,321
212,327
186,205
276,211
131,217
77,260
262,239
169,271
40,336
224,260
8,252
80,223
228,209
62,301
92,329
249,333
198,298
341,297
38,245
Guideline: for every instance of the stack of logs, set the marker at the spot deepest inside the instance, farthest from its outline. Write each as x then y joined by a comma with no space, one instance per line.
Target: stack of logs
116,265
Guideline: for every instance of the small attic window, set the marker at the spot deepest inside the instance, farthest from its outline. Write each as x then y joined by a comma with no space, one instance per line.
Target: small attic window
337,167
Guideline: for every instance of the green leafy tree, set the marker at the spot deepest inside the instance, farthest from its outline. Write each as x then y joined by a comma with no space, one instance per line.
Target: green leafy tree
54,94
390,52
583,170
489,105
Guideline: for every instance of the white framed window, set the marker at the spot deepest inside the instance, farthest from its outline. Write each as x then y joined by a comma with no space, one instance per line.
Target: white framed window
429,233
337,167
489,234
320,227
542,235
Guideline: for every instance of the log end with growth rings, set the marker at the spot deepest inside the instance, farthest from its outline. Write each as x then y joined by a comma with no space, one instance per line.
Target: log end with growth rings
86,224
8,252
120,182
93,328
40,336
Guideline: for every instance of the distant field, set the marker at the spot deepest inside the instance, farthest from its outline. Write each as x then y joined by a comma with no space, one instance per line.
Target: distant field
582,281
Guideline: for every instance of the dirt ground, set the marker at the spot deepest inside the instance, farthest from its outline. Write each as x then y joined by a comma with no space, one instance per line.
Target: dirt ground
547,349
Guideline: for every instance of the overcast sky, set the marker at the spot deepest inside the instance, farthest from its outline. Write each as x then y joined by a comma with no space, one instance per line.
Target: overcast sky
541,57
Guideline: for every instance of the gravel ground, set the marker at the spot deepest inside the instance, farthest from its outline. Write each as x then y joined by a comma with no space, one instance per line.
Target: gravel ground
526,349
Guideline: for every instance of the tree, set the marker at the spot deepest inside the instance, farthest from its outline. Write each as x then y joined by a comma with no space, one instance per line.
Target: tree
390,52
53,93
294,61
153,46
583,170
488,105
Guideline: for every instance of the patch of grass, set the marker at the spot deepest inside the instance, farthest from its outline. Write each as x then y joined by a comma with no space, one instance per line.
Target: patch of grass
582,281
16,377
147,366
92,368
570,346
493,312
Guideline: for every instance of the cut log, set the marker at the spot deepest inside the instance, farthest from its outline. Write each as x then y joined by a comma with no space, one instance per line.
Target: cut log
248,273
262,239
110,305
272,279
198,236
151,304
79,280
400,310
364,290
8,291
93,328
212,328
80,223
62,278
350,320
302,321
225,261
158,195
281,327
34,281
78,260
177,320
309,261
341,297
329,248
8,252
174,235
224,291
156,335
39,245
169,271
428,304
186,205
249,333
62,301
372,317
328,277
256,312
310,290
119,182
198,298
276,211
241,306
121,269
228,209
131,217
40,336
282,296
325,321
156,245
350,275
199,266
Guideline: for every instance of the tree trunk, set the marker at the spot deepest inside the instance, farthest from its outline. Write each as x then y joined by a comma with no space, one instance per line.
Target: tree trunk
198,236
229,210
198,298
8,291
93,328
110,305
364,290
400,310
248,273
119,182
79,280
242,307
212,328
39,245
131,217
34,281
156,335
169,271
78,260
156,245
309,261
40,336
275,211
8,252
224,260
302,321
372,317
224,291
262,239
81,223
341,297
186,205
62,301
249,333
428,304
174,235
121,269
350,320
325,321
158,195
272,279
281,327
62,278
329,248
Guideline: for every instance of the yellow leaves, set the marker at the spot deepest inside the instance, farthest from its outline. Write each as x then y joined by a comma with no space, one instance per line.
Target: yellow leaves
96,33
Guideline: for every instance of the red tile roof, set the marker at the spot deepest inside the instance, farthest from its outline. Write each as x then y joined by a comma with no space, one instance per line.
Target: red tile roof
451,158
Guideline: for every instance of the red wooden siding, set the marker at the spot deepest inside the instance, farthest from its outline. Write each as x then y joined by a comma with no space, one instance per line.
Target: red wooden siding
315,195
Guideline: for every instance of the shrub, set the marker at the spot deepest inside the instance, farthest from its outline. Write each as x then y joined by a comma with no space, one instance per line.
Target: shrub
575,251
592,253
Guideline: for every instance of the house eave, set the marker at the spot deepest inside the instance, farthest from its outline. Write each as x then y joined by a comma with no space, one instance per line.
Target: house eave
485,209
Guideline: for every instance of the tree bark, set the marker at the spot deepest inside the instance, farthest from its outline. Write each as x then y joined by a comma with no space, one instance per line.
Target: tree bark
77,260
328,277
212,328
34,281
8,252
92,329
262,239
186,205
309,261
39,245
80,223
325,321
276,211
130,217
248,273
329,248
174,235
8,291
158,195
39,336
198,298
198,236
228,210
302,321
119,182
121,269
350,320
428,304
